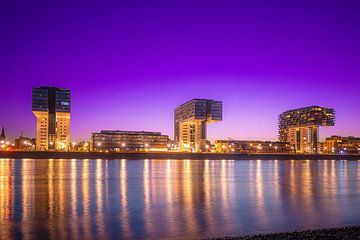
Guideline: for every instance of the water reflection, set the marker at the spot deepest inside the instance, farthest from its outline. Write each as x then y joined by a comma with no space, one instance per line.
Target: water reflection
162,199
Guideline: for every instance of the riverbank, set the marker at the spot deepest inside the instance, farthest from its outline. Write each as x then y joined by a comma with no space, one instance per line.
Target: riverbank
174,155
344,233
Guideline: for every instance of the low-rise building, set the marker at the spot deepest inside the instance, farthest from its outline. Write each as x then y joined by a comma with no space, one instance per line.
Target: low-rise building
129,141
342,145
25,143
251,146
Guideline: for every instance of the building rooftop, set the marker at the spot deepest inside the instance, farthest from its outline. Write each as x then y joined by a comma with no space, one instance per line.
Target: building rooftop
129,132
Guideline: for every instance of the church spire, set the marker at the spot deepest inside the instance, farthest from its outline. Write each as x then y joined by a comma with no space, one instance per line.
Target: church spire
2,136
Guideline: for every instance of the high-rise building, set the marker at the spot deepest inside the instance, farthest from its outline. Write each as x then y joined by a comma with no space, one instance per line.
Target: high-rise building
131,141
190,123
51,107
300,127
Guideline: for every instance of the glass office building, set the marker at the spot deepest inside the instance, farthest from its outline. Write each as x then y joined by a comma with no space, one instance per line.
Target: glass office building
129,141
190,122
51,107
300,127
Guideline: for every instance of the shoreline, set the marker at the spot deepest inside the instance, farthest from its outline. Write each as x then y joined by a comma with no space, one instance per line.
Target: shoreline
174,155
337,233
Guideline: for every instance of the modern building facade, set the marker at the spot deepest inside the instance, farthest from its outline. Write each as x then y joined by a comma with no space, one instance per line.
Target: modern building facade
190,123
300,127
342,145
51,107
129,141
251,146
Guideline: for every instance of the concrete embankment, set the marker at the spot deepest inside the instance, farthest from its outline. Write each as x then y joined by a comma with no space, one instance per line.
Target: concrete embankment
192,156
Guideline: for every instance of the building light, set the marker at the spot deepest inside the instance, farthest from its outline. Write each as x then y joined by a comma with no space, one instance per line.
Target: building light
123,144
99,144
146,145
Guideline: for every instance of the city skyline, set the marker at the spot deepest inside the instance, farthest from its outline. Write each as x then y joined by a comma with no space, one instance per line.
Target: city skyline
258,60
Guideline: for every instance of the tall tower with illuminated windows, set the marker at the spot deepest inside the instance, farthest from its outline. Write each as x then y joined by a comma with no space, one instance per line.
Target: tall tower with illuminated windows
300,127
190,123
51,107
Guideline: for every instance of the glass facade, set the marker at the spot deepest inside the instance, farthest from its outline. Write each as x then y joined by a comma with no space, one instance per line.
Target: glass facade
300,127
190,121
117,141
51,107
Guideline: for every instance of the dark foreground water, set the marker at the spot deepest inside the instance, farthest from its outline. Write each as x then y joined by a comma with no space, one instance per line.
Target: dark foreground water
162,199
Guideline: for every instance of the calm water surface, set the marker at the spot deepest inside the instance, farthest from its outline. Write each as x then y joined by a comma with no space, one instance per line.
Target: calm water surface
173,199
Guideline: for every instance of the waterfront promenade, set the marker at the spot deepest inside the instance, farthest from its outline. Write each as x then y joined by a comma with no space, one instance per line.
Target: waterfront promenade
175,155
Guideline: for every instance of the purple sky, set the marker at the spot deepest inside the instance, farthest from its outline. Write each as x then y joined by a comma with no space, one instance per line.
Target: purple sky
130,64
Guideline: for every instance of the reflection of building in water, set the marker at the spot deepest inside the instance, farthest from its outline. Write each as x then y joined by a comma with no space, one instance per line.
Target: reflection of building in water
342,145
6,195
190,123
248,146
300,127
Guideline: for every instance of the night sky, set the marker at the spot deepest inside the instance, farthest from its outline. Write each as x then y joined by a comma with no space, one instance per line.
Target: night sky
130,64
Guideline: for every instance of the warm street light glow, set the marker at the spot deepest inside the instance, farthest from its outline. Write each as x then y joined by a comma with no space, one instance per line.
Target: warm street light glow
146,145
123,144
99,144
